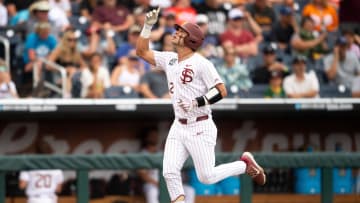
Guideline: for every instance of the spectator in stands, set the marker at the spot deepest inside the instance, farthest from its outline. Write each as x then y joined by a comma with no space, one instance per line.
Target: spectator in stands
262,74
64,5
301,84
38,44
348,14
275,89
263,14
145,5
166,42
292,4
324,15
249,22
307,43
111,16
153,84
40,12
353,42
139,15
236,35
161,3
18,5
3,14
17,10
284,29
95,79
129,73
58,13
87,7
209,47
150,145
342,66
355,89
183,11
233,72
216,14
7,86
125,48
67,55
166,25
94,43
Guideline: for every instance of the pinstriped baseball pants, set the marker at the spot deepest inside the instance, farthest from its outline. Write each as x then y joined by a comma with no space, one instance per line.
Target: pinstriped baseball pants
198,140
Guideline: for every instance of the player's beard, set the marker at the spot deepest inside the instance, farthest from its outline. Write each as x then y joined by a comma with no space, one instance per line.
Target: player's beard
178,42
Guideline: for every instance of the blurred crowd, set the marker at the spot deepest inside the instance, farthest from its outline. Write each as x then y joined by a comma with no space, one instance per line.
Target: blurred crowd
261,48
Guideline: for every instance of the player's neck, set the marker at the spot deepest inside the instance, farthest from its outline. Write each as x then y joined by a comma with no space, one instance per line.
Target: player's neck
184,54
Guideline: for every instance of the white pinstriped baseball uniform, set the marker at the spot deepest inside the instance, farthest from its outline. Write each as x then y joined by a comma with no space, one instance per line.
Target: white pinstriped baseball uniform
41,185
152,191
191,78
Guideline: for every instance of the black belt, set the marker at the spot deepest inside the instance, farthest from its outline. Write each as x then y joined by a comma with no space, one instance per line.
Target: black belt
184,121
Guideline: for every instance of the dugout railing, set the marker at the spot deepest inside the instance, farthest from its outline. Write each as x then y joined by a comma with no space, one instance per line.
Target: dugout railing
82,164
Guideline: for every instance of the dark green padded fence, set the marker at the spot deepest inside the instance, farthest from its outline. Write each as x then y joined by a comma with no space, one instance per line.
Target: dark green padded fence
83,163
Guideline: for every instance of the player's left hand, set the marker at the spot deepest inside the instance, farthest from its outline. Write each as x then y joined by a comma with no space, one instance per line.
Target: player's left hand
187,106
152,16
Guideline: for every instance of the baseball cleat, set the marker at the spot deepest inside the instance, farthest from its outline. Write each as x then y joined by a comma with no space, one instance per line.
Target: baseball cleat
255,171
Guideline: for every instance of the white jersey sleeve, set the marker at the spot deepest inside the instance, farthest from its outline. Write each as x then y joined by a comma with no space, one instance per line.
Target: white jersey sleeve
164,58
210,76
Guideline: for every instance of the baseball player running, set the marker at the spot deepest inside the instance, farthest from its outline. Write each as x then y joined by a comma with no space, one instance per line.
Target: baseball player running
194,85
41,185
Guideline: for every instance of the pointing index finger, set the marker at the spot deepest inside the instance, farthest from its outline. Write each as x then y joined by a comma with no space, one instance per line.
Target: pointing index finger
158,10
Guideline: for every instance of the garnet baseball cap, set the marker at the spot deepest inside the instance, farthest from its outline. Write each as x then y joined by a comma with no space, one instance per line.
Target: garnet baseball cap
235,13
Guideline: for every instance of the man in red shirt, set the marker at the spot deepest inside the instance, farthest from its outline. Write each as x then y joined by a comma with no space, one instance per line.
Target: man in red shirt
183,11
111,17
236,35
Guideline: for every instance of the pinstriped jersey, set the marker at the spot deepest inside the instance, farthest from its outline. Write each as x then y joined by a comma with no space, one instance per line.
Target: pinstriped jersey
42,182
187,79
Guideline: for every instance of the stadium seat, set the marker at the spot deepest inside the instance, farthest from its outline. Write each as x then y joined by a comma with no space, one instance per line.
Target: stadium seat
342,180
200,188
230,186
257,91
308,180
253,62
120,92
332,90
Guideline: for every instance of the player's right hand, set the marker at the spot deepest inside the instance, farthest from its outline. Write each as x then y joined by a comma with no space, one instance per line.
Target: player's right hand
152,16
187,106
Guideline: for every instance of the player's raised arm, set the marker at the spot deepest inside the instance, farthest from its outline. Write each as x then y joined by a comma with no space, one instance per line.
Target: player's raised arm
142,45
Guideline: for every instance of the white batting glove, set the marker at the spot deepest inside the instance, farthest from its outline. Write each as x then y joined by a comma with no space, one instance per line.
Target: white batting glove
152,16
187,106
